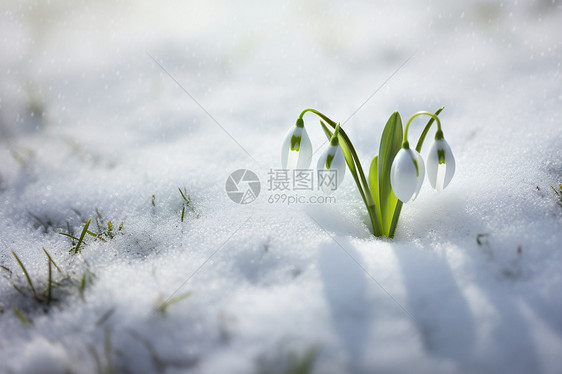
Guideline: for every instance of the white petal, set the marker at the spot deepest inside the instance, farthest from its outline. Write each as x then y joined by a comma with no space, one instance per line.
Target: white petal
440,175
305,151
337,167
296,159
339,164
420,175
403,175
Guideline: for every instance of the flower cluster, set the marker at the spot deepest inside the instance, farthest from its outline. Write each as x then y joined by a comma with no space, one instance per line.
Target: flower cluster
408,169
296,153
396,174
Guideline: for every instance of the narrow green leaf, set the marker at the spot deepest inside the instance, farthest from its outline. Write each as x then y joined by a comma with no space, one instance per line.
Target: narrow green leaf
82,235
357,173
164,306
98,225
108,349
51,260
70,236
182,194
346,153
26,273
50,284
22,317
5,268
395,217
350,163
390,144
327,131
95,235
374,185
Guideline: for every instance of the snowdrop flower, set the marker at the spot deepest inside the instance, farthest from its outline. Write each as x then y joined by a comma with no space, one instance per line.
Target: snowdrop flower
296,152
331,166
440,163
407,174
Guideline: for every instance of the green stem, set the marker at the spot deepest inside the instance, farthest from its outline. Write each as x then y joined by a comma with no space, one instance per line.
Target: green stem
362,183
319,114
405,140
426,130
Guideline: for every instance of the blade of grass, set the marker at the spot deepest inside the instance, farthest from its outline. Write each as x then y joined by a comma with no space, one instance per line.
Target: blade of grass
70,236
162,308
50,284
98,225
51,260
182,194
105,316
82,235
22,317
95,235
109,368
20,291
96,358
82,286
6,269
26,273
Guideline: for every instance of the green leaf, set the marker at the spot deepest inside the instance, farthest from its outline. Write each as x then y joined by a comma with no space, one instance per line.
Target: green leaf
182,194
395,217
172,300
356,171
347,155
82,235
391,141
351,164
327,131
374,184
51,260
25,272
95,235
70,236
50,284
22,317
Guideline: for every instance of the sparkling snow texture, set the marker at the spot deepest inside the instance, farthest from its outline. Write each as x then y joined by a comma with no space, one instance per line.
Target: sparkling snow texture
91,124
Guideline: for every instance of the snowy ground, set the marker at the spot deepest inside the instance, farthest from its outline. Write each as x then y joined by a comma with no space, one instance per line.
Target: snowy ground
92,126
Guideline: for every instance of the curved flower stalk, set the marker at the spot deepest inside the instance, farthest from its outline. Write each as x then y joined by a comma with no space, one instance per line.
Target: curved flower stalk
396,174
296,152
332,160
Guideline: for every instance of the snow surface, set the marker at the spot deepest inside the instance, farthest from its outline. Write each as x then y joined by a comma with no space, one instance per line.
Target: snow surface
90,121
